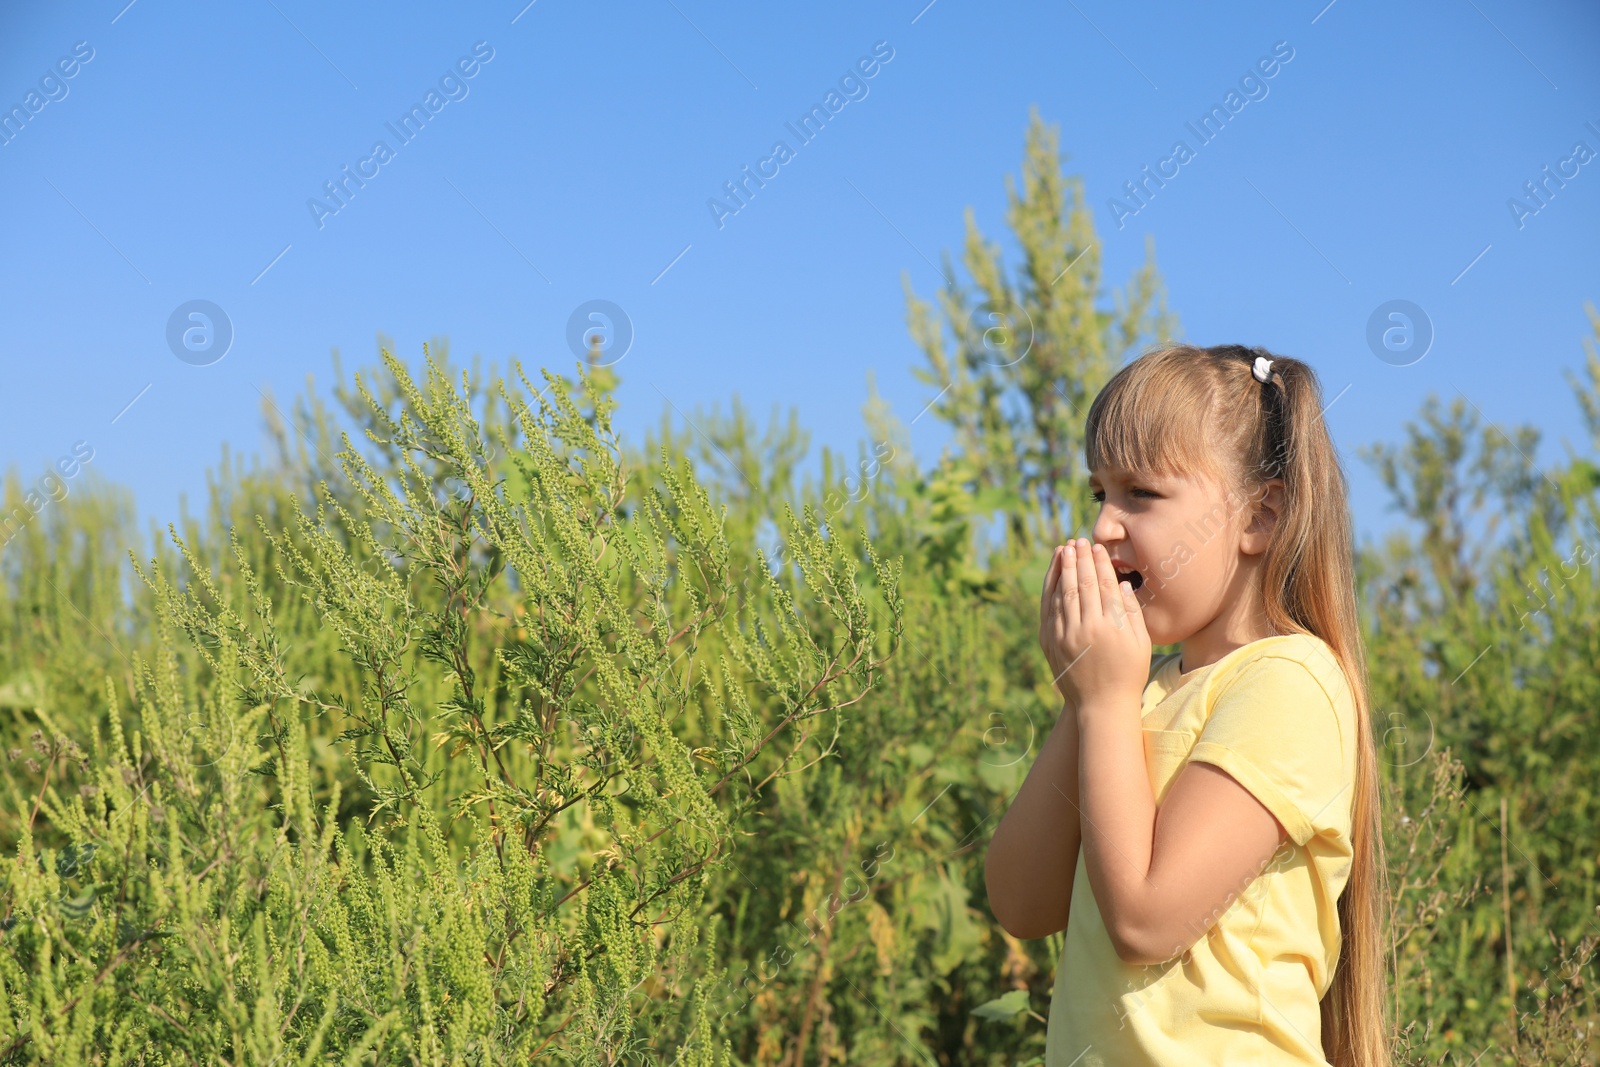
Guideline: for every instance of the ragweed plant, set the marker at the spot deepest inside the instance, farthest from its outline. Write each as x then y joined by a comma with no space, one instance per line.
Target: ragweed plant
561,717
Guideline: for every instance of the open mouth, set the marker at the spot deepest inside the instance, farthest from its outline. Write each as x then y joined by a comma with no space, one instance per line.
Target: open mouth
1133,578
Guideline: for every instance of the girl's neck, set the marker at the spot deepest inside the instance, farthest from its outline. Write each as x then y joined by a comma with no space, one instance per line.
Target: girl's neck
1195,656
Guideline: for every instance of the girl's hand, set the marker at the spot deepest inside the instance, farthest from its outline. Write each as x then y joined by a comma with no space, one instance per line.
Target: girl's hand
1053,627
1095,627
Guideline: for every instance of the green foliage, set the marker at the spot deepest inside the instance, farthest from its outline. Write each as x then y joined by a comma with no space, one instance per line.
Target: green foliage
491,739
543,777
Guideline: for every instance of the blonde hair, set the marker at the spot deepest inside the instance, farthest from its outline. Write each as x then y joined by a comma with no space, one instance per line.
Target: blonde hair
1180,409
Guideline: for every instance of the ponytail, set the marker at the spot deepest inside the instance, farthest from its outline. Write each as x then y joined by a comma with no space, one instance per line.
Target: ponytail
1311,564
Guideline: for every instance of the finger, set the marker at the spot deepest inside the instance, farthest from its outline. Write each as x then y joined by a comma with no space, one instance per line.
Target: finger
1127,610
1052,575
1119,606
1130,601
1111,591
1088,584
1067,588
1107,579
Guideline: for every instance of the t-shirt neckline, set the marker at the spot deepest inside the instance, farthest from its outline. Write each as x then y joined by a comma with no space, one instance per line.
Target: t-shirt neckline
1176,680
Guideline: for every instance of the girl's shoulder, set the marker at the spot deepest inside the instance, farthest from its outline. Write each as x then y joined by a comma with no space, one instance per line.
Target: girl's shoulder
1287,652
1301,646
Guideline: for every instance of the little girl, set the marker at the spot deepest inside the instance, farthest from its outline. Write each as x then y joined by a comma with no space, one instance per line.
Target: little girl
1204,824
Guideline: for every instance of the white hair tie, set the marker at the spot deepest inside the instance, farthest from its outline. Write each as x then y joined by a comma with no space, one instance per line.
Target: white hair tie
1262,369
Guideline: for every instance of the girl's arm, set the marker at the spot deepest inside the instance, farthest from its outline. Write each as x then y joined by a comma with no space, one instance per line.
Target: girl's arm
1163,877
1033,854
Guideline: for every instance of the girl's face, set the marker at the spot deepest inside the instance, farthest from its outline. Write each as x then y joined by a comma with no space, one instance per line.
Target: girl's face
1193,546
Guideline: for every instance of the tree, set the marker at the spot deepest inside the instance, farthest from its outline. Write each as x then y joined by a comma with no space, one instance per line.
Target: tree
1017,360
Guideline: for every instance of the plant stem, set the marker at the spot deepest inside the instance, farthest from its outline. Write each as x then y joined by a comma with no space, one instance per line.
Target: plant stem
1505,900
54,751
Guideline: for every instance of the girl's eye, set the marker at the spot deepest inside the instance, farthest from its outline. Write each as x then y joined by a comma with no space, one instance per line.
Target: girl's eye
1100,496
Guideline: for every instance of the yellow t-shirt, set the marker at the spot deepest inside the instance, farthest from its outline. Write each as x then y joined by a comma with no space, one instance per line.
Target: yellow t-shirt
1279,716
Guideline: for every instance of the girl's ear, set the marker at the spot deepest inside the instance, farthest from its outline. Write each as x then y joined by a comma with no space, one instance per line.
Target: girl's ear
1268,504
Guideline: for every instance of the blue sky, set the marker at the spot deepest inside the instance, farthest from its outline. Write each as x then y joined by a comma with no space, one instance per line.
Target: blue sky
576,162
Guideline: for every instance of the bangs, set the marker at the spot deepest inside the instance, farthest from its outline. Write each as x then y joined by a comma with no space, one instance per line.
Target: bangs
1154,418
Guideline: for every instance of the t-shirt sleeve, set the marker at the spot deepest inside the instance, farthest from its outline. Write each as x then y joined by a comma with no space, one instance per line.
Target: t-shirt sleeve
1280,733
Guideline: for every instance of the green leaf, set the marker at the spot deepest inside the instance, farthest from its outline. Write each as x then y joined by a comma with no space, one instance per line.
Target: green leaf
940,905
1003,1007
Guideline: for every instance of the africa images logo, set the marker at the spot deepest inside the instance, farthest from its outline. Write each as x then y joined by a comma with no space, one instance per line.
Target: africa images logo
1253,85
52,87
51,486
452,84
852,83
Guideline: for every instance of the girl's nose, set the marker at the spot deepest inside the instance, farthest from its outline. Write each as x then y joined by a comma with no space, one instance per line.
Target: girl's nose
1106,530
